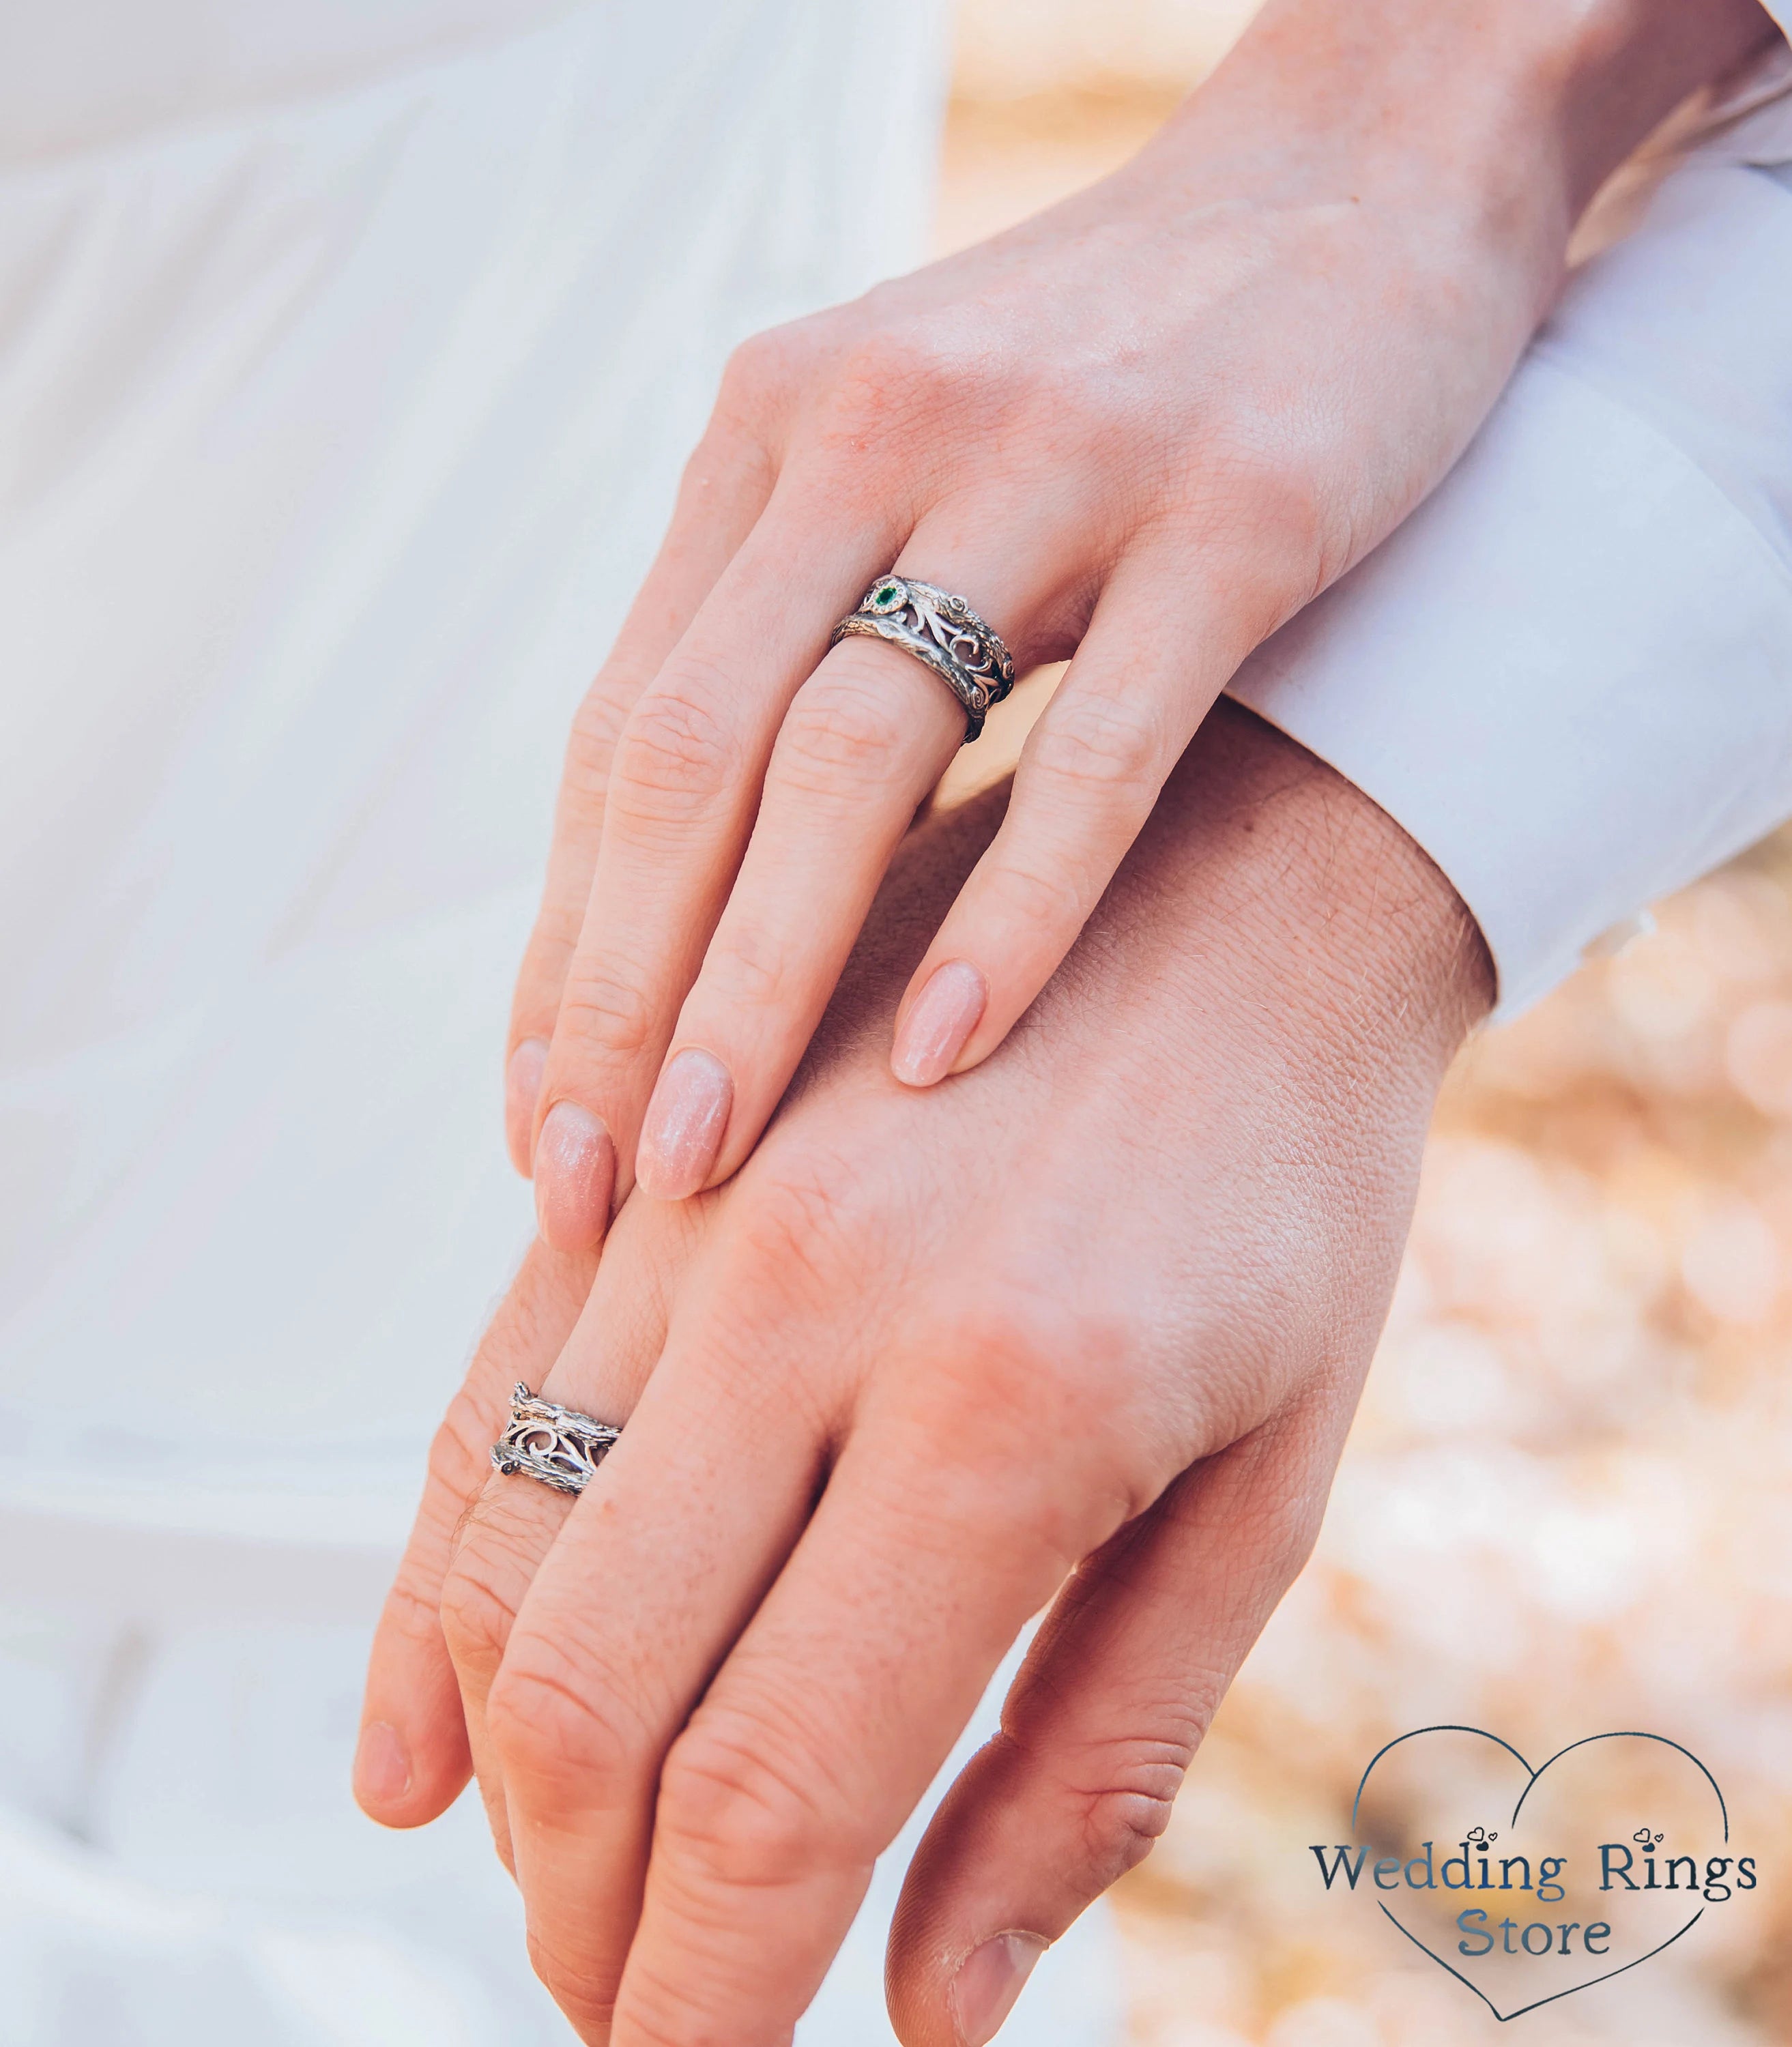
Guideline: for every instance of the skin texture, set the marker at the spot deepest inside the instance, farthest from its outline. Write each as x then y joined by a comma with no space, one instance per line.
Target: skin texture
1085,1326
1142,430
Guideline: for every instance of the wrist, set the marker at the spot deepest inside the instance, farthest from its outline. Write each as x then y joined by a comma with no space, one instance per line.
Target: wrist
1500,123
1271,869
1623,66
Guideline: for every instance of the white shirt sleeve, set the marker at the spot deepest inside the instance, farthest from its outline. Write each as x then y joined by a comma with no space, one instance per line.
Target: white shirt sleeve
1568,674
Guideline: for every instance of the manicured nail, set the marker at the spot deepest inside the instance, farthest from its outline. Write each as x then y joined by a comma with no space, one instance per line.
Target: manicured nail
575,1176
685,1121
382,1768
522,1089
989,1979
939,1020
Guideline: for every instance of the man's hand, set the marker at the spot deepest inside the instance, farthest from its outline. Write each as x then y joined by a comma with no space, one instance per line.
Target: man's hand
1089,1323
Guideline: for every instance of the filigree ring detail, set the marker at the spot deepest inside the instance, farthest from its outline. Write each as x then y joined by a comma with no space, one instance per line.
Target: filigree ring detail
558,1445
943,631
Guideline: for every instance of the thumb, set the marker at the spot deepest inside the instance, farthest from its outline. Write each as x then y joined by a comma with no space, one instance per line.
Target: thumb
1102,1722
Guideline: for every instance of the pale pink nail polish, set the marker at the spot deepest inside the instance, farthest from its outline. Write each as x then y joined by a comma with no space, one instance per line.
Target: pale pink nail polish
382,1768
940,1019
685,1122
522,1089
575,1176
989,1979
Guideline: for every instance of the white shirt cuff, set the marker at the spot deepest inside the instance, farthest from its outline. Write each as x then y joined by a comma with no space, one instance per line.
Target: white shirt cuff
1569,675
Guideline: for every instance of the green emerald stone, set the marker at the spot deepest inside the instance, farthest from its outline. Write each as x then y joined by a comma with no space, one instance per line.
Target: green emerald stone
887,594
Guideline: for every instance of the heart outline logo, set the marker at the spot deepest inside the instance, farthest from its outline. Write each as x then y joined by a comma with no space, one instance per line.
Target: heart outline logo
1531,1777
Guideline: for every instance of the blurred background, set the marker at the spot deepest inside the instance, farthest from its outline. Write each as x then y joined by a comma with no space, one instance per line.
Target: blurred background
1565,1508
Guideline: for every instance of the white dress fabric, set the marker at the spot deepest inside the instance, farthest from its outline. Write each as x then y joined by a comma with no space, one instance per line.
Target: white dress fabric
348,356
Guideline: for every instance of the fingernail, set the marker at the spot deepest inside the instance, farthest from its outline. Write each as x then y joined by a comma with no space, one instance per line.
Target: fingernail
522,1087
989,1979
940,1018
575,1175
685,1121
382,1768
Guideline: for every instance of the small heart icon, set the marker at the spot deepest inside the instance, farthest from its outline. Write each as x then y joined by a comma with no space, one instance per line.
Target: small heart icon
1566,1889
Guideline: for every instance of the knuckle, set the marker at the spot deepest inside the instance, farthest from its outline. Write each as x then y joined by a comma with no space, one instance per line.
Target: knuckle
1121,1822
911,378
587,1996
839,726
750,967
677,753
1035,900
476,1617
662,2011
912,360
459,1460
759,370
606,1010
558,923
1279,1530
1014,1337
412,1608
558,1724
597,726
736,448
1101,746
1264,505
732,1808
1029,1407
1024,1361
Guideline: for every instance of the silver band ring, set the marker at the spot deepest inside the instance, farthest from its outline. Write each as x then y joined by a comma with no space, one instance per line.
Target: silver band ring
941,630
558,1445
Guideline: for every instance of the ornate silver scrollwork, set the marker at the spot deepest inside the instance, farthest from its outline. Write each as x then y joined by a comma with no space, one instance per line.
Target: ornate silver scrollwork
941,630
557,1445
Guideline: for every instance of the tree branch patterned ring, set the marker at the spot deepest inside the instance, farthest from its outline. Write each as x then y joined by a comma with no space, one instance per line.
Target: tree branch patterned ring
556,1445
942,631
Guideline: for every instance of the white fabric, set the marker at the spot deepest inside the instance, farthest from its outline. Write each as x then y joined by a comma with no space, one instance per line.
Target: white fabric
179,1867
348,352
1570,674
1749,119
339,430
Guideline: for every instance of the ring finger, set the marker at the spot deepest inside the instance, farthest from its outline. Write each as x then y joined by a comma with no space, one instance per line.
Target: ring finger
678,807
597,1363
689,1516
414,1758
866,739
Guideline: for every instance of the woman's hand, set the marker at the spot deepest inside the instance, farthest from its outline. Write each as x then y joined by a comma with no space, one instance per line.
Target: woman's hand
1142,429
1100,1311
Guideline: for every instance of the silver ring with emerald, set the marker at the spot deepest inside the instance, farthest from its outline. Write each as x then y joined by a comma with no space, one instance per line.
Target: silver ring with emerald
942,631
